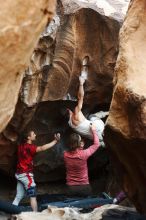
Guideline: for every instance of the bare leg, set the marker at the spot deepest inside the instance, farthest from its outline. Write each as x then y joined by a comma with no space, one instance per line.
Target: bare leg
102,114
33,203
19,194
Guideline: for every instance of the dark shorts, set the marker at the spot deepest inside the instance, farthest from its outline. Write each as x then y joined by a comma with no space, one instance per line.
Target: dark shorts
31,192
79,190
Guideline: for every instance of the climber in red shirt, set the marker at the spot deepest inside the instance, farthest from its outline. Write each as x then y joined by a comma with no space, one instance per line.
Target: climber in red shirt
76,164
24,172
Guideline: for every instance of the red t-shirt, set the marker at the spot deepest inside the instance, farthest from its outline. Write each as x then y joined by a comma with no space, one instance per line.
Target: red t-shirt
26,153
76,163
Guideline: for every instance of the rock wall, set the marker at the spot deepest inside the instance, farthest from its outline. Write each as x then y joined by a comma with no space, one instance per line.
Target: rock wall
84,33
105,212
113,9
53,74
21,23
95,38
125,131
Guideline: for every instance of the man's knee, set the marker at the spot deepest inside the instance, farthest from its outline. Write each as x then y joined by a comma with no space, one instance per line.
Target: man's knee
31,192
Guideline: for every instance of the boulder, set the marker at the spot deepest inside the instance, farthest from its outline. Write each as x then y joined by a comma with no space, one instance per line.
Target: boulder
53,74
56,62
113,9
21,23
105,212
125,131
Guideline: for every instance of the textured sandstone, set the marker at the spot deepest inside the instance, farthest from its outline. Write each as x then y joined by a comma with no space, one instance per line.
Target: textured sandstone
115,9
36,73
53,72
45,120
21,23
83,33
126,126
101,213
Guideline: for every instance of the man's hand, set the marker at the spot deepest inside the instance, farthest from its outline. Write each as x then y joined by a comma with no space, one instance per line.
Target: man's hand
57,137
49,145
82,80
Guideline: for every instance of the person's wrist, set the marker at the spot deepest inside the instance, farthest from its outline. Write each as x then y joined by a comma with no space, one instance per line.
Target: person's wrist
57,139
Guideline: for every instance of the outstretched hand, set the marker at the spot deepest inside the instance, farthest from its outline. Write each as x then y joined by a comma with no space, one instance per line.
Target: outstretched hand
57,137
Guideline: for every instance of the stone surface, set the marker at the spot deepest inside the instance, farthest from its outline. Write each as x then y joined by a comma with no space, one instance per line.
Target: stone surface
125,131
73,43
115,9
8,153
21,23
102,50
47,119
52,74
36,74
106,212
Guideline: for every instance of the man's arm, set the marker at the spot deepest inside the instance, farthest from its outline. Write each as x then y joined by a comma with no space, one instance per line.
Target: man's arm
80,95
49,145
102,114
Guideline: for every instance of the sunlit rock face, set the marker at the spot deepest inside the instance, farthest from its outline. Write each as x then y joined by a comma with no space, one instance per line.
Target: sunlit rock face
53,75
100,213
115,9
21,23
35,77
125,131
55,68
94,38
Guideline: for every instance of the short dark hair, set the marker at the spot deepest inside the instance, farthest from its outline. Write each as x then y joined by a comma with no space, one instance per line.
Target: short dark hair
74,141
23,137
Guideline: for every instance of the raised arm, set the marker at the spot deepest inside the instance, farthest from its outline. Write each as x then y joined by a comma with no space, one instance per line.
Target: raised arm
49,145
82,80
80,95
91,150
